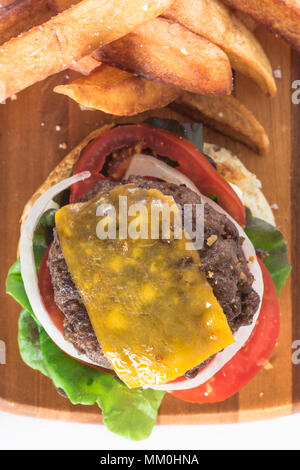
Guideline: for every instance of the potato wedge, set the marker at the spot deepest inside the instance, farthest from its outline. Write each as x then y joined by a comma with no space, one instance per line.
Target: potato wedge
281,16
60,5
86,65
69,36
118,92
168,52
215,22
248,21
21,15
227,115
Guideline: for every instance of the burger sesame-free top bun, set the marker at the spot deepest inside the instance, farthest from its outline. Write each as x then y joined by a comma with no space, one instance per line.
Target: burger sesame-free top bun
228,165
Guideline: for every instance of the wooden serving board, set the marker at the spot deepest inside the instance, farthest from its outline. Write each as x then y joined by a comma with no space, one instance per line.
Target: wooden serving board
30,149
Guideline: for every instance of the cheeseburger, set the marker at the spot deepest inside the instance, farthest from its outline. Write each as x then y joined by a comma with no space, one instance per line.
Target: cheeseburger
127,302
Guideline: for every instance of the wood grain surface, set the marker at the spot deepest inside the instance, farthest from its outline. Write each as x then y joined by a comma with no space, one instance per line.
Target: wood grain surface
30,146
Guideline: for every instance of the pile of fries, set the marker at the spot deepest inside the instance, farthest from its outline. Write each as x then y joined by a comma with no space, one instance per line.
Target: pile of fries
137,55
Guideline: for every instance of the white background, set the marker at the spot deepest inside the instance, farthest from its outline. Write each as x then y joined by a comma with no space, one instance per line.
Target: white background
19,432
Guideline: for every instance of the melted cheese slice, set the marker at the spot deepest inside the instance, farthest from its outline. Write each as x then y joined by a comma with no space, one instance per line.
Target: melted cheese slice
151,307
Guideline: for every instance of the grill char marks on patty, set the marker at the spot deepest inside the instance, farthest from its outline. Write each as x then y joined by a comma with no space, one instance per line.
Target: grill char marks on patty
221,256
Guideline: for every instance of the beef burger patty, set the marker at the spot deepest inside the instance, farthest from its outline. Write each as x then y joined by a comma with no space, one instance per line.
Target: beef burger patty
222,258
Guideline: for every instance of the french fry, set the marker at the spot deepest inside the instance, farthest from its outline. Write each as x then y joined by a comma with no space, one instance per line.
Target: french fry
227,115
168,52
21,15
69,36
215,22
118,92
281,16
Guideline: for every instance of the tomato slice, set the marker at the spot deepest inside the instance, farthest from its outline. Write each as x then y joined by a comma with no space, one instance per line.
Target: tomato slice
249,360
47,294
192,162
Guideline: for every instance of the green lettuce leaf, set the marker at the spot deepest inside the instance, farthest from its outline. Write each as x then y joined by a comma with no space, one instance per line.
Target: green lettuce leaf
15,286
268,238
191,132
29,342
131,413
